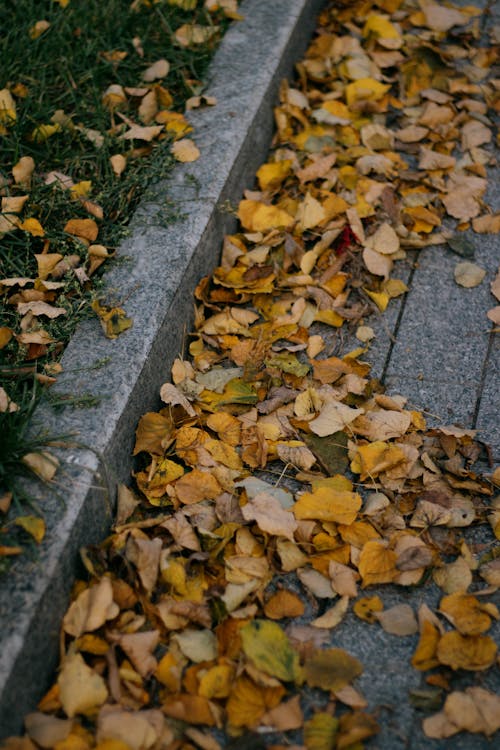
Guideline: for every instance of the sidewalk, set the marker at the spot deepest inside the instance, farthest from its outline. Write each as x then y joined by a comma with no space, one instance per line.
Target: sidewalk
433,346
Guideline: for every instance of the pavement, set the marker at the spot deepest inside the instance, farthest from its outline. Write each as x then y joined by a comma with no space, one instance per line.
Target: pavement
433,345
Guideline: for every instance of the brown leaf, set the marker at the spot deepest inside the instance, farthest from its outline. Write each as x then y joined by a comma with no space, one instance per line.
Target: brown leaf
85,229
91,609
331,669
139,648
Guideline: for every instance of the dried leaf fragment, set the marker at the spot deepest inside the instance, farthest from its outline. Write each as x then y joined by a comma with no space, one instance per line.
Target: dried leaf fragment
468,274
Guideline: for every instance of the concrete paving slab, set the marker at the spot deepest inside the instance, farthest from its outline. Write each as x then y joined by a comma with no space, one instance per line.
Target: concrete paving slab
443,338
162,260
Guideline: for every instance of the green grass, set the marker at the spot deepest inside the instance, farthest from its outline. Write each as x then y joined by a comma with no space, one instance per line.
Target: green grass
68,68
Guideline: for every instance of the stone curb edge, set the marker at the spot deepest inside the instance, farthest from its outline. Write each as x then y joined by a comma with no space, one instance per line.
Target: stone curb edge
161,268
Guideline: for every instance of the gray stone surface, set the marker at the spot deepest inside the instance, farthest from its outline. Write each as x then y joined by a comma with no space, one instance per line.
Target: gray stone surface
442,341
155,286
433,345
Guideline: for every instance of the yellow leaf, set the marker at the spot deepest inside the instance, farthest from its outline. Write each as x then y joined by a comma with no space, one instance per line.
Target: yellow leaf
217,682
271,175
38,29
33,227
310,212
377,564
425,654
320,732
191,709
282,604
92,644
259,217
269,649
184,4
367,607
372,459
81,189
365,89
152,433
7,107
226,426
467,614
33,525
173,573
169,672
81,688
196,486
112,744
381,299
330,317
43,132
86,229
471,652
249,701
5,336
385,32
113,319
73,742
327,504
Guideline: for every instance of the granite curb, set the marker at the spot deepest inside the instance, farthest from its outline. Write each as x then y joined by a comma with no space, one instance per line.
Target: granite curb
174,239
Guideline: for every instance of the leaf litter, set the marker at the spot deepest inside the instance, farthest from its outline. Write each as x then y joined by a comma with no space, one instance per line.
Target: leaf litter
276,460
69,178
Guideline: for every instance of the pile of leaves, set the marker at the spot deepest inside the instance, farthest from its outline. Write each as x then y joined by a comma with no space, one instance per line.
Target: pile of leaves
279,479
84,128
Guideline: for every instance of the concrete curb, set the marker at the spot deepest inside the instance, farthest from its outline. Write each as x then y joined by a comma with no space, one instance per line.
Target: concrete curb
163,265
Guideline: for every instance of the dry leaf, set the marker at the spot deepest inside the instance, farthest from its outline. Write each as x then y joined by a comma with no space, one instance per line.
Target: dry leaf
269,515
468,274
91,609
185,150
157,70
80,687
398,620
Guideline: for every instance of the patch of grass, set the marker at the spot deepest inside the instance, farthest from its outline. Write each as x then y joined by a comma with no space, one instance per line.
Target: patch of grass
59,77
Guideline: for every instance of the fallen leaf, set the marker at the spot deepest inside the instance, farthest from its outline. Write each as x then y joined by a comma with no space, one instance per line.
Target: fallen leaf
327,504
470,652
333,616
269,515
157,70
282,604
331,669
80,687
185,150
91,609
268,648
468,274
398,620
33,525
320,731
